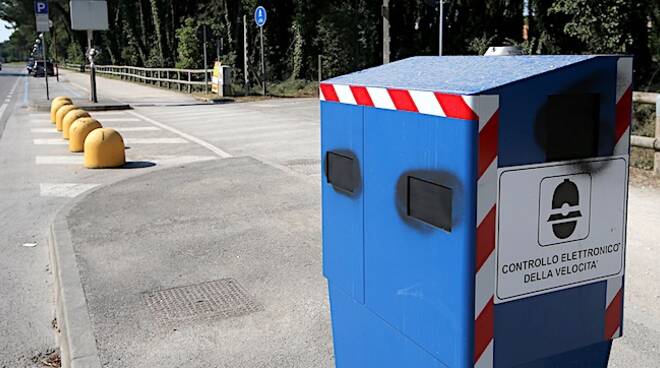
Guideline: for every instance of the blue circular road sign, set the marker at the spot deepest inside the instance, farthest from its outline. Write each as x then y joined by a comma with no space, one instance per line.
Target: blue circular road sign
260,16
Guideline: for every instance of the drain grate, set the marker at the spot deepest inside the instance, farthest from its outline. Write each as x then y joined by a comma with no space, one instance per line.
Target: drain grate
220,299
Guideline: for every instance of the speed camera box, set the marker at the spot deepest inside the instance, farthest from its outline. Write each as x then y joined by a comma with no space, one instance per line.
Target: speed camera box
474,210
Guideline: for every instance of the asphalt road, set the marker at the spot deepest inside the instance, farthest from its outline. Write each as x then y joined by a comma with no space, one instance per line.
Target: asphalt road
8,82
25,305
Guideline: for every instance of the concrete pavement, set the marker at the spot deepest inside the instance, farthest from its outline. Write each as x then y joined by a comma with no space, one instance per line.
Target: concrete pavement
236,218
640,346
135,94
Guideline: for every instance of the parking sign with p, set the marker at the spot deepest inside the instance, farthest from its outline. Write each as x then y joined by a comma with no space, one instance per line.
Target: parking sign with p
41,7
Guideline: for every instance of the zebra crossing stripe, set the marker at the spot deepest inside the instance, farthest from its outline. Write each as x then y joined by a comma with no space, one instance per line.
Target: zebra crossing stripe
62,142
217,151
158,159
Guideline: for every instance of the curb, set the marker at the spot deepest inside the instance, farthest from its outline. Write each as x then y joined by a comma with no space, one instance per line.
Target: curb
76,336
214,100
88,106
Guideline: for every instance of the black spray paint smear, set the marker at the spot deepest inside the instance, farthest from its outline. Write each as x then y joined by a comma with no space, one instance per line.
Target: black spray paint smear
342,171
439,177
568,126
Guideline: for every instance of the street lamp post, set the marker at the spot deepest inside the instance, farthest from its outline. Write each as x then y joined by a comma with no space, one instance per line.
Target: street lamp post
385,10
206,73
91,54
440,26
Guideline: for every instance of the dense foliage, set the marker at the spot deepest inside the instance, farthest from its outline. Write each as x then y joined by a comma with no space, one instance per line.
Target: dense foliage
347,33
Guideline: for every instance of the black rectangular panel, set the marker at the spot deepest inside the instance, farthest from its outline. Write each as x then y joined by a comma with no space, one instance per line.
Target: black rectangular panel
572,126
429,202
340,172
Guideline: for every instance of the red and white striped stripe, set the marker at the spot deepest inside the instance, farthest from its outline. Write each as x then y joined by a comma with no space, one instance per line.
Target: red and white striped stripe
613,308
487,109
624,75
614,293
423,102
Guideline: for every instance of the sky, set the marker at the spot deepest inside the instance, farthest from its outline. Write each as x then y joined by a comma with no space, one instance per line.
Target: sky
4,32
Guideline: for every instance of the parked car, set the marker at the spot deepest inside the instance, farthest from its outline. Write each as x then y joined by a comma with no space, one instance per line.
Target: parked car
0,65
30,66
38,70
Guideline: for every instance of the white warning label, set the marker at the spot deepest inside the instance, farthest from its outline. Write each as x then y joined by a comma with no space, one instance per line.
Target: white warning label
559,225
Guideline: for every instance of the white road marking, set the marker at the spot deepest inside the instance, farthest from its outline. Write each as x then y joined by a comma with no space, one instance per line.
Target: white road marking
62,142
78,86
137,129
50,142
219,152
155,141
178,160
159,159
45,130
68,190
102,119
59,160
2,109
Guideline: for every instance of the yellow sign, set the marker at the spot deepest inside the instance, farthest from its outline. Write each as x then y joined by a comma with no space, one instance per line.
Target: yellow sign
216,80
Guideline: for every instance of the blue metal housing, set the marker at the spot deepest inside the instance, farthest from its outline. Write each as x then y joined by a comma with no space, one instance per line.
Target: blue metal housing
402,291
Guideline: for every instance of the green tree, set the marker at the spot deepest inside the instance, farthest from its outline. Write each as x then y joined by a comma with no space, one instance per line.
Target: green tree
609,26
74,54
188,45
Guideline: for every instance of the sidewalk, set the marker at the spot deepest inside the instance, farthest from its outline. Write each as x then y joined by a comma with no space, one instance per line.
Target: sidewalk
135,94
116,94
235,218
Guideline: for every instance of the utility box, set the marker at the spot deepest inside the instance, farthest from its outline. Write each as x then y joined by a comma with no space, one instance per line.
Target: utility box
221,80
474,210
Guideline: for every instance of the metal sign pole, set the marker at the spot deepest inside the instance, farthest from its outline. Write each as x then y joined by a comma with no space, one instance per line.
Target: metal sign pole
245,55
44,53
206,64
260,17
263,65
43,26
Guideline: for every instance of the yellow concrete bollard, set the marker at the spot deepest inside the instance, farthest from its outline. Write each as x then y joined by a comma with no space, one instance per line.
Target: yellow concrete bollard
79,131
57,103
61,112
104,148
58,98
69,118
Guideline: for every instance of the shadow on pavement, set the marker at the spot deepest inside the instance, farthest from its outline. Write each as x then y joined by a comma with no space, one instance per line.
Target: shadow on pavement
137,165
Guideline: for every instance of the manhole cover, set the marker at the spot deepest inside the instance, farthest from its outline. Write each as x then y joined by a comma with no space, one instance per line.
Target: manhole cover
214,299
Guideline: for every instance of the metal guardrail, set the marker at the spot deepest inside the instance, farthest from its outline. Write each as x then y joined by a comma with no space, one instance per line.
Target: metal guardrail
157,76
652,143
